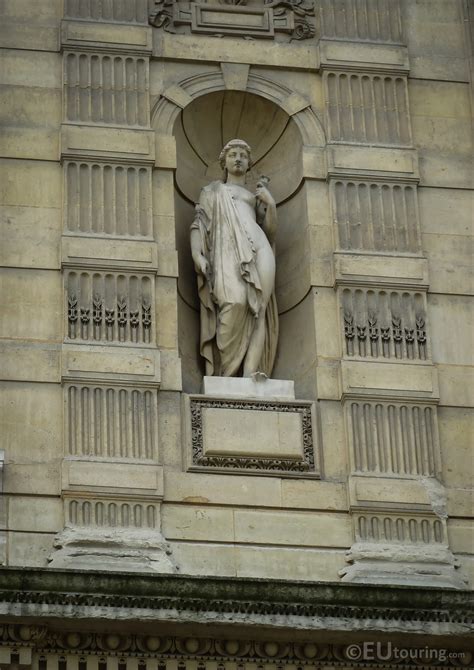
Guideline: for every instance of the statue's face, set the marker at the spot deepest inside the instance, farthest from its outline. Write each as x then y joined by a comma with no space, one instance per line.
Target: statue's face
237,160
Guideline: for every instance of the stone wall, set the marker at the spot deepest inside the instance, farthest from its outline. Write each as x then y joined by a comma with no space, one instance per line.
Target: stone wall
112,125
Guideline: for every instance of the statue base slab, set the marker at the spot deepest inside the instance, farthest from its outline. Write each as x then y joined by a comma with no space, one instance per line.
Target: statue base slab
256,386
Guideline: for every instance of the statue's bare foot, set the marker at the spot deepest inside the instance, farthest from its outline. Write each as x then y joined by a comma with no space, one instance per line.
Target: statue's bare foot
259,376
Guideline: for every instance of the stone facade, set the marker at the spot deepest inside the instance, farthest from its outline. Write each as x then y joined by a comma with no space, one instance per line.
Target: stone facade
116,458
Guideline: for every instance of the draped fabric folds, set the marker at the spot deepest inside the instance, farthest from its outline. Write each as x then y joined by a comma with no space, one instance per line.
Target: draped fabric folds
231,298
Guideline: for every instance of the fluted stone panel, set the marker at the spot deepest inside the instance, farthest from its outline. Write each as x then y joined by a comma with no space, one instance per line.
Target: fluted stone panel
398,438
367,108
111,422
376,216
108,199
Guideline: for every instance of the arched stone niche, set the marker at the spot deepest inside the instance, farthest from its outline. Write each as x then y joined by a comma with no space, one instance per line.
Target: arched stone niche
278,135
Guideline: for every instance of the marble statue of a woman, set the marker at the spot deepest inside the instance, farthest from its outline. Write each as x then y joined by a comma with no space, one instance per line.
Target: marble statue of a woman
232,244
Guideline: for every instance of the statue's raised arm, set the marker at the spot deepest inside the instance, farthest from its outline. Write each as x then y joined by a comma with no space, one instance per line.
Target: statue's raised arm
232,245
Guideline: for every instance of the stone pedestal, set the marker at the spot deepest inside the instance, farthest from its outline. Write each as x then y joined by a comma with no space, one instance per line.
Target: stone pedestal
256,386
253,425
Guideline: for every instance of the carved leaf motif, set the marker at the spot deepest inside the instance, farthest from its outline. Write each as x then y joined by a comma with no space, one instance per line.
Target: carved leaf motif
361,332
397,328
72,309
109,317
146,315
409,335
373,330
85,315
385,333
134,319
122,311
349,330
97,310
420,329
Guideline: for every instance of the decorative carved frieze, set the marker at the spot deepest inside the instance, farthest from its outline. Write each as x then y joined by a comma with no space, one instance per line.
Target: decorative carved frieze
303,458
111,11
106,88
392,437
376,216
379,323
383,527
107,199
293,18
83,649
365,20
109,307
367,108
115,513
112,422
109,649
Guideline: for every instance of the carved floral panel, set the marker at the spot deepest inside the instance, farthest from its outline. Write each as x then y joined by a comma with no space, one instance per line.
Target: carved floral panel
383,323
109,307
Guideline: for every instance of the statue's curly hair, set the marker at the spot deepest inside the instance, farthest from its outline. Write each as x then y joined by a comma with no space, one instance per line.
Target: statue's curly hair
230,145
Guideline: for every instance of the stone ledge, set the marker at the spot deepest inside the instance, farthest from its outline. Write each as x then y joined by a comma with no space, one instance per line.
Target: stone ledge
382,270
385,58
109,253
383,380
139,366
83,474
303,606
106,36
376,162
132,145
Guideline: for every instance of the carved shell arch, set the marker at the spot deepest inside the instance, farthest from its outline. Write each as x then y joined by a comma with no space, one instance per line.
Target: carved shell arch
167,107
204,111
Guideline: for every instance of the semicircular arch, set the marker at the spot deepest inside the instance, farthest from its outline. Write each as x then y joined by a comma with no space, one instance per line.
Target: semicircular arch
178,96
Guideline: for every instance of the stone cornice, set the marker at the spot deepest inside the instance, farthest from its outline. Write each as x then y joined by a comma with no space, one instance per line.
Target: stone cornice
305,606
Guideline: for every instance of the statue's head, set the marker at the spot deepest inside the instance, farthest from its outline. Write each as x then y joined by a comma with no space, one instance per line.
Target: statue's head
235,144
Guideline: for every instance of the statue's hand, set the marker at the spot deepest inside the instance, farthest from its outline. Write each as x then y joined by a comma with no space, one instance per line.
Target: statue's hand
202,266
264,195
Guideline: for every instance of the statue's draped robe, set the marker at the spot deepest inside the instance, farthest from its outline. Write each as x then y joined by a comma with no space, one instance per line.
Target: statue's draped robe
231,297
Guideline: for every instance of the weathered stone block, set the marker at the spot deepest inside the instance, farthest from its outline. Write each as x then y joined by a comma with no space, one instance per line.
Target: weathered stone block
127,38
30,303
304,529
396,379
194,522
109,364
91,141
107,476
44,514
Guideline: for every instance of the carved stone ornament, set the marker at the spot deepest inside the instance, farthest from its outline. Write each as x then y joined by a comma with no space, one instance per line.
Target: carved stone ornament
239,316
306,464
46,640
293,18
